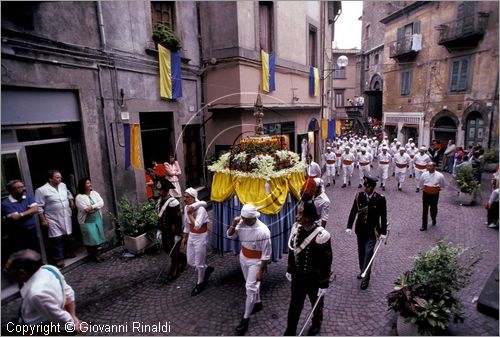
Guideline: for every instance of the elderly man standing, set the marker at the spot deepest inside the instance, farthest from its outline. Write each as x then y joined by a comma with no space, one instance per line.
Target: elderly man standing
255,253
55,203
431,182
20,209
195,236
46,297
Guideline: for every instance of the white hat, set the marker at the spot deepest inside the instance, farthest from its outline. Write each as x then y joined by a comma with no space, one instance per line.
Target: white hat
249,211
347,148
402,148
384,147
398,143
423,148
412,144
192,192
363,149
374,138
409,139
328,148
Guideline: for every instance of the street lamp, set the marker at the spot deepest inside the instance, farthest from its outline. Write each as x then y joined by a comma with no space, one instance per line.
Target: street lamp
342,61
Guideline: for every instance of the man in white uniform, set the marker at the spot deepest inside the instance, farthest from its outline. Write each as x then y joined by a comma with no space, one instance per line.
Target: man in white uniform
420,161
195,234
384,158
364,159
330,160
401,162
431,182
255,253
338,157
412,152
347,165
46,297
55,203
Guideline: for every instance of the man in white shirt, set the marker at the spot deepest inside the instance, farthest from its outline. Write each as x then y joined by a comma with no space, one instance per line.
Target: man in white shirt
330,160
364,160
401,162
347,165
46,297
420,162
431,182
55,203
313,168
255,254
384,158
194,238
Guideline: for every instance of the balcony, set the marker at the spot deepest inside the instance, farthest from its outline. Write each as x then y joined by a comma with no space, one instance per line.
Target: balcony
354,111
407,47
463,33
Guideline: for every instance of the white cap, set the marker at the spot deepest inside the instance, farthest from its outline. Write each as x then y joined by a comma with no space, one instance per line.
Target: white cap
398,143
423,148
249,211
192,192
363,149
412,144
374,138
328,148
347,148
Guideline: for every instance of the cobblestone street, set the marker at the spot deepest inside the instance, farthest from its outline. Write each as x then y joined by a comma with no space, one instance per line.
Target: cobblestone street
123,290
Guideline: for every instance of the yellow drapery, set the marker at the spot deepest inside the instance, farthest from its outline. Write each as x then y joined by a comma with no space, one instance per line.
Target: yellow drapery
251,190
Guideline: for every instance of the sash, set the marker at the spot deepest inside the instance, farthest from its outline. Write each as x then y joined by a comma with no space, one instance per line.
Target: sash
165,205
307,241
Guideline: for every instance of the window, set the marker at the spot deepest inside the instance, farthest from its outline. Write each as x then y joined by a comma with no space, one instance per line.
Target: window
459,74
405,83
312,46
404,36
163,12
367,31
367,63
339,98
375,59
266,25
338,72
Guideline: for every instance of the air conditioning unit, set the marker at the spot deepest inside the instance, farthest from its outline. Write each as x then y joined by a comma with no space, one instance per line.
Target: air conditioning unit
416,42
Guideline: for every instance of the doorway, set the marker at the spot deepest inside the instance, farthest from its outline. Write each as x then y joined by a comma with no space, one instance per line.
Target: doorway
157,136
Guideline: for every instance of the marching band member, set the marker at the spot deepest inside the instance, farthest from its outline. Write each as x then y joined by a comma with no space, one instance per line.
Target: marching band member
255,254
330,159
364,160
384,158
347,165
420,162
401,162
412,151
338,155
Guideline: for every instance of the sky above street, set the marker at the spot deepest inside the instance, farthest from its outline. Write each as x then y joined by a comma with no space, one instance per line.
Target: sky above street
348,27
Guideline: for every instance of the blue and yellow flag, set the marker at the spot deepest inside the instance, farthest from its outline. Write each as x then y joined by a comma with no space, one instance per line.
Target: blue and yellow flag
170,73
268,65
313,81
132,146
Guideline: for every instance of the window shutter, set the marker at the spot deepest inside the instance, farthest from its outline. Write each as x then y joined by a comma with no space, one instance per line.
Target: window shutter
416,27
454,75
401,33
462,82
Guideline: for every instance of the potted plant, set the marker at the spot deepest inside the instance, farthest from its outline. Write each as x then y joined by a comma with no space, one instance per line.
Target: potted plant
137,224
491,159
425,296
166,37
467,184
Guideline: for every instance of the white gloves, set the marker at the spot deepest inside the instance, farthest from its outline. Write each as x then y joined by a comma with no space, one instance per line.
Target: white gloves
348,231
322,291
288,277
177,238
158,235
383,237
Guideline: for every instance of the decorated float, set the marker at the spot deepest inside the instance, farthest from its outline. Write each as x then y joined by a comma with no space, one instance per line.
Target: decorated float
262,171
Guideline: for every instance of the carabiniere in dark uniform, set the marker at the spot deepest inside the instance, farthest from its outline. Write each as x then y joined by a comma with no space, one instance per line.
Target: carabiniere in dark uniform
370,212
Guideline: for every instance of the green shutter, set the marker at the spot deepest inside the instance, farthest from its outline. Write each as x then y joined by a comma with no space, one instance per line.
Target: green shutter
454,75
416,27
462,81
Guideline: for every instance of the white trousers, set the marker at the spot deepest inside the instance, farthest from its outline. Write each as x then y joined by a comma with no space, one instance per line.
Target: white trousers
347,170
364,170
250,267
384,172
330,172
418,174
196,252
400,175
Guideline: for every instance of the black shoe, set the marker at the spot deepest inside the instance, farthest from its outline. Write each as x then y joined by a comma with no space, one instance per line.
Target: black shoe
434,222
349,183
242,327
257,307
333,182
381,185
198,289
359,186
417,190
393,174
423,229
343,185
289,333
313,330
383,188
208,272
364,284
359,277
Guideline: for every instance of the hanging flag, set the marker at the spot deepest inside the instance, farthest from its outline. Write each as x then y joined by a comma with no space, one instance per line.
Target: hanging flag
324,128
268,66
338,127
170,73
331,129
132,146
313,81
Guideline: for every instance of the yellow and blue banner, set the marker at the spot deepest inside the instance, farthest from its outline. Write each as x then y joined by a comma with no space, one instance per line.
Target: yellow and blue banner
132,146
268,68
313,81
331,129
170,73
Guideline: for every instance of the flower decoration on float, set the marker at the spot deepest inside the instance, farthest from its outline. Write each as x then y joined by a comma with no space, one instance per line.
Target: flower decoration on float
259,156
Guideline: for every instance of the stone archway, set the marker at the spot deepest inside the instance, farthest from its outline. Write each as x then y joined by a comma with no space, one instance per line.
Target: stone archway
373,102
444,126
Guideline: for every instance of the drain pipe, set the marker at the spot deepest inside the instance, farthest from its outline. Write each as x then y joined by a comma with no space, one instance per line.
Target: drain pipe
102,35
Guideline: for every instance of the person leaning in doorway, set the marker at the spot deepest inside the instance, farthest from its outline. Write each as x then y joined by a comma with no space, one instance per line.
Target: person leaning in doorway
89,203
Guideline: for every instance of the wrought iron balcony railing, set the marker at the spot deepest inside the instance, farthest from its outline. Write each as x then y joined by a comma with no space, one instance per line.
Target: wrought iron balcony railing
469,29
406,46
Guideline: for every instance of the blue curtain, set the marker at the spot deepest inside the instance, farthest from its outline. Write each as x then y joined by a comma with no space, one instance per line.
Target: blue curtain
279,225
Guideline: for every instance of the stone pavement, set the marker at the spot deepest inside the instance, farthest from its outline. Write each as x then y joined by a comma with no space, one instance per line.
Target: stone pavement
124,290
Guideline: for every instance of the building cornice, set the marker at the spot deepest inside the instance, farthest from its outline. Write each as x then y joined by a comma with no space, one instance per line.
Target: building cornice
404,11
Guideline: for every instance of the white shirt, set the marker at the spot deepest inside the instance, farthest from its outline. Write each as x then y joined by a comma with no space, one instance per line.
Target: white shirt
82,201
329,156
412,152
493,196
348,156
435,179
200,216
43,299
322,203
55,206
422,159
401,159
365,158
384,157
313,170
256,237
